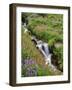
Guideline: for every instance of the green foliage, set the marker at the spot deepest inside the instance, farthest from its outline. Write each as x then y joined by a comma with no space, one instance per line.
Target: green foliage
58,53
42,71
51,42
25,54
48,27
23,72
29,49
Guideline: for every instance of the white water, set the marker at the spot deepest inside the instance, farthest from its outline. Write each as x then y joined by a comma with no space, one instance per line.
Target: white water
46,48
43,47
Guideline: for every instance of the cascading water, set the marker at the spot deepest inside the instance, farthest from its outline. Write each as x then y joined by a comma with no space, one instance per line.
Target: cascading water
43,47
46,49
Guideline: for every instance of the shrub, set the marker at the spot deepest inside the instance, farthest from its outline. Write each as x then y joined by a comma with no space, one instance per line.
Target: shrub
58,53
42,71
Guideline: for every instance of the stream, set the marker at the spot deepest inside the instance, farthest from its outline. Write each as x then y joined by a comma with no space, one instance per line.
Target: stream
43,48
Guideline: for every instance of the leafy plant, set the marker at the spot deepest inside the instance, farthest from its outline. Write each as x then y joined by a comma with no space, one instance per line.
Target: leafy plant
58,53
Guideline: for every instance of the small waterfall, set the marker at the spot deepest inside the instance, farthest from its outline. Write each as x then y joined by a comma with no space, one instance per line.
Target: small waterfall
46,48
43,47
39,46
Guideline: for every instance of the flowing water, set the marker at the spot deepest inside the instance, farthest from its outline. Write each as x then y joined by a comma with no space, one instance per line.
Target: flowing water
43,47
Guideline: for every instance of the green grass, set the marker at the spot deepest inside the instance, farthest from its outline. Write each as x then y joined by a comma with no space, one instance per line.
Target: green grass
48,27
29,49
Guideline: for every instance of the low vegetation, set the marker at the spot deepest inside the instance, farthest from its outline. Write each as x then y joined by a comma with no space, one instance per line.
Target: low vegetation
30,52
